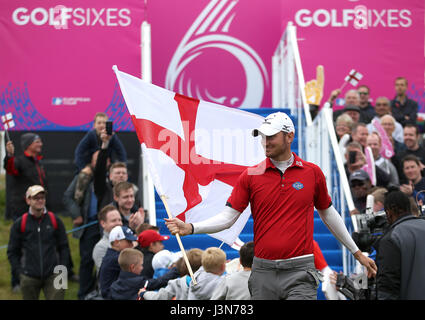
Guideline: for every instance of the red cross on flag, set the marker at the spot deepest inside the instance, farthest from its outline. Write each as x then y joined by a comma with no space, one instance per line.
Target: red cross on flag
353,77
195,149
7,121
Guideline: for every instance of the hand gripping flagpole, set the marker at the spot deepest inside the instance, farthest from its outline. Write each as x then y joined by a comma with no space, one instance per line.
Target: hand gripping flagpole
186,260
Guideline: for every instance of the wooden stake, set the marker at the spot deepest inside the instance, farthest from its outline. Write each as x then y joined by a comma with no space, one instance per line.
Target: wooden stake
186,260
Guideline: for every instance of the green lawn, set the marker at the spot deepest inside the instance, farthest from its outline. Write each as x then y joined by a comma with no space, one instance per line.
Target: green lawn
5,287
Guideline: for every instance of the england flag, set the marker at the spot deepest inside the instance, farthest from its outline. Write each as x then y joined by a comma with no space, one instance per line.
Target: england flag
353,77
7,121
195,149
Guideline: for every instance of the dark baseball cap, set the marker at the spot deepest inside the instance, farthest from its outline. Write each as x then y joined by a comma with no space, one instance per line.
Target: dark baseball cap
359,175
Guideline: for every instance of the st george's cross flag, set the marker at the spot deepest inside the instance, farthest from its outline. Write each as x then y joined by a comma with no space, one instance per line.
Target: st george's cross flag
7,121
195,149
353,77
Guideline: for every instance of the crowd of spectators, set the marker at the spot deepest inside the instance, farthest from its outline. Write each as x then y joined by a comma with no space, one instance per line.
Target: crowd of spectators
122,256
357,129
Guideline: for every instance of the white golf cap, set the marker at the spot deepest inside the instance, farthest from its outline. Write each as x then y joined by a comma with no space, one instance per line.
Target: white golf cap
274,123
165,258
121,233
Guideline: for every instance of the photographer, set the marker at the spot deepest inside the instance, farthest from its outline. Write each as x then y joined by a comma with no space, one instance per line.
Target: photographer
400,252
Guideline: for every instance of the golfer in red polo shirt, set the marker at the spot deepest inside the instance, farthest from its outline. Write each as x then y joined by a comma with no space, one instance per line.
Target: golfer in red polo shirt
283,191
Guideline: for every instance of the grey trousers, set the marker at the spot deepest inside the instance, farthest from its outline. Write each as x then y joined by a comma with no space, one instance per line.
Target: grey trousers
31,287
290,279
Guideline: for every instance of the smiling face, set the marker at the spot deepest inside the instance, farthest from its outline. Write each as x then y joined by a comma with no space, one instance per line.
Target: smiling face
113,219
342,128
37,203
278,146
35,147
410,138
412,170
125,199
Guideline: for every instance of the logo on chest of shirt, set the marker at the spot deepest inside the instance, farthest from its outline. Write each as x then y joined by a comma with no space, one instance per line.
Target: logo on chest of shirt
297,185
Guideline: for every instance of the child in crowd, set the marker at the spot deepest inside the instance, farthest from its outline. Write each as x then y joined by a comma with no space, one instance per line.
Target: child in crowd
162,262
177,288
235,286
146,226
209,274
150,242
130,280
120,238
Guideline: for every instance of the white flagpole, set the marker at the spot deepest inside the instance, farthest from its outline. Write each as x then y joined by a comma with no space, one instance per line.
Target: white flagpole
163,198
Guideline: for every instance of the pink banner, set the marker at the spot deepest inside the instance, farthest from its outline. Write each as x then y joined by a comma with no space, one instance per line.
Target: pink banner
387,149
56,60
380,39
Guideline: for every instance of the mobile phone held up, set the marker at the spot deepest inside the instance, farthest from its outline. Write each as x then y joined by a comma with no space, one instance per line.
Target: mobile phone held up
352,156
109,128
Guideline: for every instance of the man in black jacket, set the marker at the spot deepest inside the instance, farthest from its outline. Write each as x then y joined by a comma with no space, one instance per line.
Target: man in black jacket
403,109
25,170
401,252
37,245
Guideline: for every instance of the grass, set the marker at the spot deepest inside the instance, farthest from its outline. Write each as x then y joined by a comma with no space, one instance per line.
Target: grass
5,275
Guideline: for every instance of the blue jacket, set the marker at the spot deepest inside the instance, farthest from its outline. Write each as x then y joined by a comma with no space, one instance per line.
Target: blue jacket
109,271
128,284
91,143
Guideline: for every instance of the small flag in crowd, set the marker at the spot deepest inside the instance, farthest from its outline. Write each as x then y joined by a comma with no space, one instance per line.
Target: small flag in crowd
237,244
353,77
7,120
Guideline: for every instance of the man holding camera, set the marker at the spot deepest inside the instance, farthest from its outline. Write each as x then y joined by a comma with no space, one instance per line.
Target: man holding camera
91,142
401,252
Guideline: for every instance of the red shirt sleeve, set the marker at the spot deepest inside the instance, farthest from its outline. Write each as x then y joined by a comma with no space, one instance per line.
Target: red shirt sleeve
239,199
319,260
322,200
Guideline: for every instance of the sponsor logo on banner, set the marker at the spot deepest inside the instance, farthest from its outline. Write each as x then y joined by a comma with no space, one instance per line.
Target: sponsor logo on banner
68,101
359,17
62,17
210,30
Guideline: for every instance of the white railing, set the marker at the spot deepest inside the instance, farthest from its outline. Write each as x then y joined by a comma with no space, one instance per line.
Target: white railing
288,85
322,149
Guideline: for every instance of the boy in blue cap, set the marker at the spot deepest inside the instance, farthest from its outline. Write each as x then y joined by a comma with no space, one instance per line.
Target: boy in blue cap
120,238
